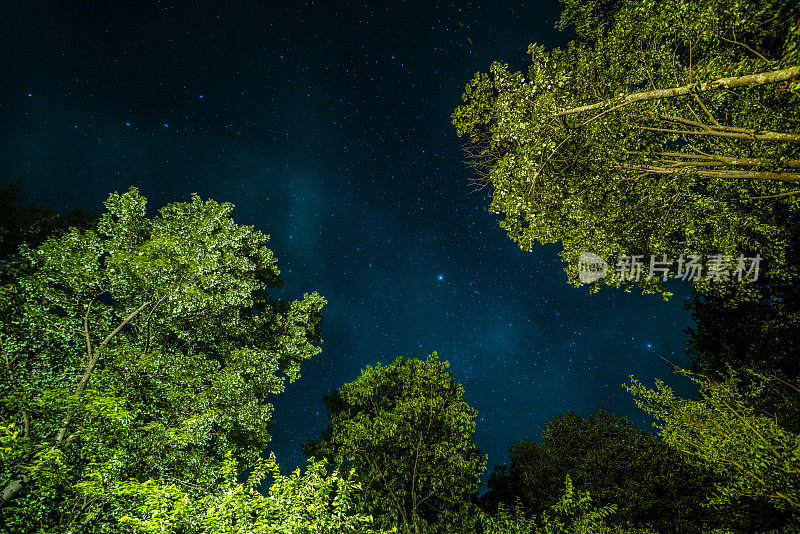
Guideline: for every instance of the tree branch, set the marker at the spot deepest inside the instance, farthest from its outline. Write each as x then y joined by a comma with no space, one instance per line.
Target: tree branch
13,488
717,127
703,106
729,174
726,160
93,361
790,177
743,46
86,330
747,80
750,136
776,196
756,432
149,317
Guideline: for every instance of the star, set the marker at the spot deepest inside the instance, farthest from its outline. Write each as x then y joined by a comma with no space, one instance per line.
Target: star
440,277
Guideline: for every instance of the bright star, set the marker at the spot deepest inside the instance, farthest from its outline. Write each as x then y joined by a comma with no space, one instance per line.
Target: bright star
440,277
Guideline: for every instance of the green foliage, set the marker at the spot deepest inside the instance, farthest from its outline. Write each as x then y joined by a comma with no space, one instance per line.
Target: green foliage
147,345
31,225
406,430
761,334
645,176
754,457
650,483
300,503
573,512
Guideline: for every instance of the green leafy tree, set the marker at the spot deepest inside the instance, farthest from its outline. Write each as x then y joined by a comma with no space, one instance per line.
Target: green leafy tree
664,128
406,430
31,225
756,459
575,512
300,503
149,345
651,484
761,335
572,512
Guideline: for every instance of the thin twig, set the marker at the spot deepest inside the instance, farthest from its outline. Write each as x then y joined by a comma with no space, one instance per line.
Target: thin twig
744,46
775,196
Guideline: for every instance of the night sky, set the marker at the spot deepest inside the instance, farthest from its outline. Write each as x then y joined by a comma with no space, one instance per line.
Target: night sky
327,124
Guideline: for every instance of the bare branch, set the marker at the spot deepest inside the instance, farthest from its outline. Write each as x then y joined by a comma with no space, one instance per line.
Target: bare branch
731,174
748,80
720,160
92,362
743,46
752,136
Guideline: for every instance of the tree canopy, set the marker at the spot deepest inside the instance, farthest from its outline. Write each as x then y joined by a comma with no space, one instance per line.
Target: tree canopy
755,458
619,464
140,352
664,129
406,430
147,344
298,503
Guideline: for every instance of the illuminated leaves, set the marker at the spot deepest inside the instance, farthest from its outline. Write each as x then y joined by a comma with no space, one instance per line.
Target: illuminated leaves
572,157
406,430
722,430
149,345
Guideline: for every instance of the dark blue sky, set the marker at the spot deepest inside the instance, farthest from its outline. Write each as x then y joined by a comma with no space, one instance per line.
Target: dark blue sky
327,125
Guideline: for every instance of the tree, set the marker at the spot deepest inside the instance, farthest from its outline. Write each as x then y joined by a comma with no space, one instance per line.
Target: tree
571,512
665,128
756,459
616,462
149,345
406,430
31,225
761,334
300,503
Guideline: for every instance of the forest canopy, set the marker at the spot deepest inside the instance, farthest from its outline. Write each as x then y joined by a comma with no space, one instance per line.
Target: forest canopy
140,354
146,345
141,351
664,129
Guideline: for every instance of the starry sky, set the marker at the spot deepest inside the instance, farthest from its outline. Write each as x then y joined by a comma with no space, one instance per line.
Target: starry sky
327,125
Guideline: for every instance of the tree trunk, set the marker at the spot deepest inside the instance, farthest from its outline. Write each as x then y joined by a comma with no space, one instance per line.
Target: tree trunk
747,80
13,488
